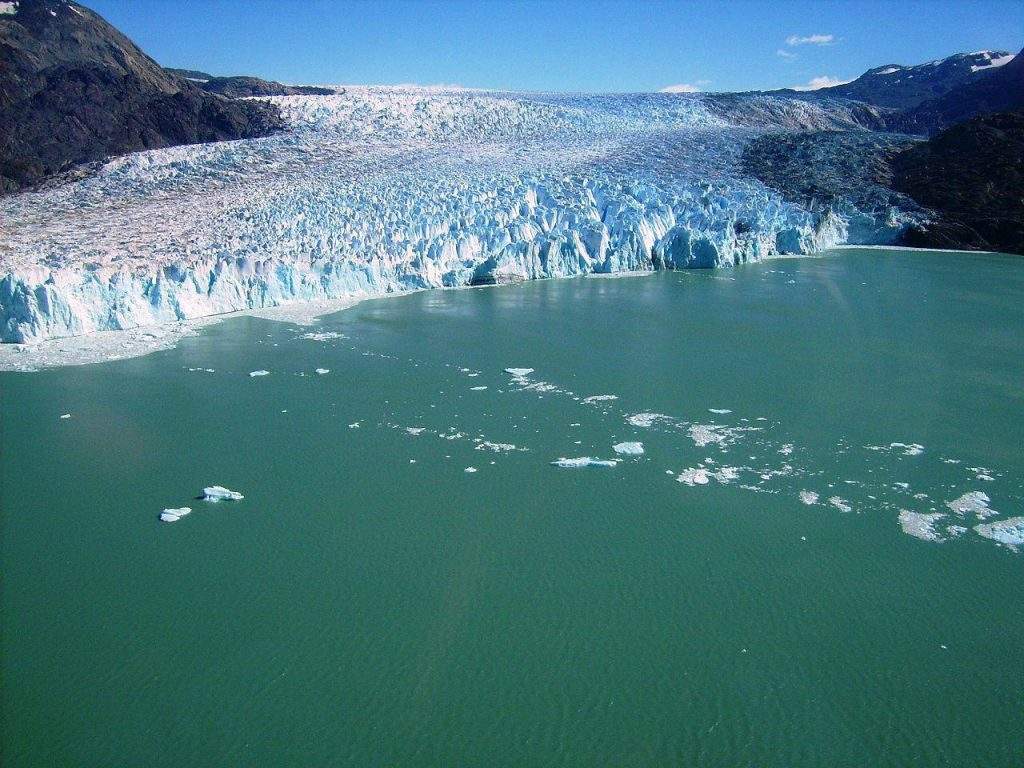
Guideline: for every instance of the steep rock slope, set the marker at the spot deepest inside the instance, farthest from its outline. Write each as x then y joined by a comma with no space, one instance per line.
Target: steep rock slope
74,90
973,175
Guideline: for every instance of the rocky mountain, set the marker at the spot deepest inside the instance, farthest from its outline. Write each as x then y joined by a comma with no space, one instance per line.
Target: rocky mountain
972,175
241,86
902,87
74,90
997,89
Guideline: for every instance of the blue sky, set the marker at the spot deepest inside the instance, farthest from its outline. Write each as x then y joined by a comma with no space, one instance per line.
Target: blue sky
567,46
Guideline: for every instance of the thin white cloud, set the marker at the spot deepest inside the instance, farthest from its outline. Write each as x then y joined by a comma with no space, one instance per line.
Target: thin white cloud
680,88
822,81
810,40
786,55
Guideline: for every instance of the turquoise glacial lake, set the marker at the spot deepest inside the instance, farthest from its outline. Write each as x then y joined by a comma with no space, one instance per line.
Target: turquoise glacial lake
811,563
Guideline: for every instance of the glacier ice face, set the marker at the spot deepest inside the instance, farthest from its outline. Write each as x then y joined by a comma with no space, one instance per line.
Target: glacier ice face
383,190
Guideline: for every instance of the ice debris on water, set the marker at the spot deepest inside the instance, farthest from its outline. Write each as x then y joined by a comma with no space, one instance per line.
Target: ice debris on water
220,493
519,373
469,470
260,372
646,420
839,503
174,515
599,398
1009,532
808,497
920,524
629,448
973,502
583,461
322,371
65,415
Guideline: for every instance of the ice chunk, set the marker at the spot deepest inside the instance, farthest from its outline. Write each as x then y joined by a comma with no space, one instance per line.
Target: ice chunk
174,515
487,445
719,410
599,398
415,430
1009,532
65,415
477,389
519,373
921,525
469,470
841,504
322,371
694,476
972,502
583,461
629,449
260,372
220,493
808,497
646,420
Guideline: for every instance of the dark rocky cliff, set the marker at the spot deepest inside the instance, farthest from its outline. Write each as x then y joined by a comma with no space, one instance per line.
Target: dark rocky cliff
74,90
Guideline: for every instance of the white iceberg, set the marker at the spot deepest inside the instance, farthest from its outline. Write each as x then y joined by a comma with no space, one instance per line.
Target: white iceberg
583,461
629,448
1009,532
220,493
260,372
174,515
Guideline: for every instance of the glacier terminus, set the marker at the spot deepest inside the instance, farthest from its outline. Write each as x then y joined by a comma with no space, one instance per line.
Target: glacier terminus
377,190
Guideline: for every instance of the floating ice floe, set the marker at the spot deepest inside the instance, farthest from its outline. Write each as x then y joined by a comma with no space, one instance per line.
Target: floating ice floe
322,371
220,493
583,461
487,445
260,372
973,502
174,515
415,430
469,470
354,425
599,398
646,420
694,476
65,415
519,373
921,525
323,336
808,497
1009,532
701,475
719,410
629,449
841,504
477,389
907,449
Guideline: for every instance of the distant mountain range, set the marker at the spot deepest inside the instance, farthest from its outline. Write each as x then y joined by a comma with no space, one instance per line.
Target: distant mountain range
902,87
242,86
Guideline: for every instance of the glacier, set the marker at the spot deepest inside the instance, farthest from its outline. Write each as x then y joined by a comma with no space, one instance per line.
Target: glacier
380,190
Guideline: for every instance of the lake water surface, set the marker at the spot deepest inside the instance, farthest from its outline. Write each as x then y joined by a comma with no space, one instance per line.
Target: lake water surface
790,574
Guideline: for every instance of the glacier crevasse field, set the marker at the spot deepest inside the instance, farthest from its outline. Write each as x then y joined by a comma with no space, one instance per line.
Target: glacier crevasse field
388,189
